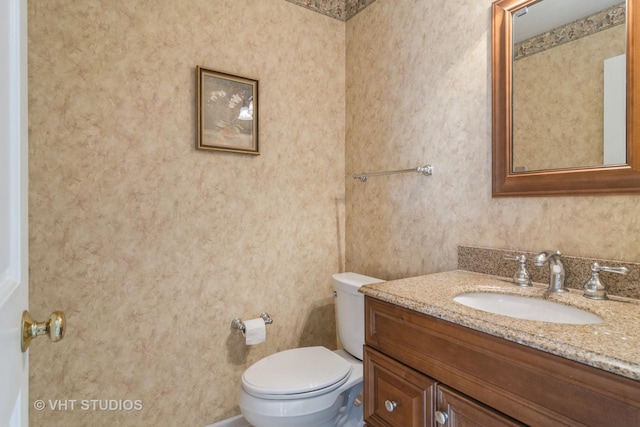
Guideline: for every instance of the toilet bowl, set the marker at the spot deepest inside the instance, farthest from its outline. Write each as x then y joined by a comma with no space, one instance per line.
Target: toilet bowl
312,403
313,386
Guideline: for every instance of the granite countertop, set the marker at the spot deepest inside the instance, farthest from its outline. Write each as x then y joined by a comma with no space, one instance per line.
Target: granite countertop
613,345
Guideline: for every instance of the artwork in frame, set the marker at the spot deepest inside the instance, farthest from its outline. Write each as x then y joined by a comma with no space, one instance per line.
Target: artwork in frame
227,110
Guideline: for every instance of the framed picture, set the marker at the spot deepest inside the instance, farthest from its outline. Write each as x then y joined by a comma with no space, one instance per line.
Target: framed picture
227,110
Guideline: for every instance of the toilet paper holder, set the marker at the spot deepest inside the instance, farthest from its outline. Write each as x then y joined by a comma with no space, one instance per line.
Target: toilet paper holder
238,324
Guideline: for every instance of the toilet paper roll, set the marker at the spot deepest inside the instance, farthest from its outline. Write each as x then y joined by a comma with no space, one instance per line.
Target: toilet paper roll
255,331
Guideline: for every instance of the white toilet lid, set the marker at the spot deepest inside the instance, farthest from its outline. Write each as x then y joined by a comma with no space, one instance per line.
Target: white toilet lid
296,371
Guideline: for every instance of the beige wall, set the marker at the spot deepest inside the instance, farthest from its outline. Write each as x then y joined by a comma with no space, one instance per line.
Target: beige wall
418,91
151,247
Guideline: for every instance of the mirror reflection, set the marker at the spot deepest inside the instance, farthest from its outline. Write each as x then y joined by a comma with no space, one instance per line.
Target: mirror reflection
569,85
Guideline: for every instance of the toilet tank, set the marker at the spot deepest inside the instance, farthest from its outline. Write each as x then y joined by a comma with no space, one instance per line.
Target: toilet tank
350,310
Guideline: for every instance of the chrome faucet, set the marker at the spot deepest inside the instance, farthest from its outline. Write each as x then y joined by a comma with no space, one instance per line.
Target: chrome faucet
556,269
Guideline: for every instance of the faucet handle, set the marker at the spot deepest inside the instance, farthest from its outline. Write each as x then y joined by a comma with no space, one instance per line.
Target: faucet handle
618,270
522,276
594,288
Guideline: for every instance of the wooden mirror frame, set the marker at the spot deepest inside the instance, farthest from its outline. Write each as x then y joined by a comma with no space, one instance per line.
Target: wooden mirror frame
557,182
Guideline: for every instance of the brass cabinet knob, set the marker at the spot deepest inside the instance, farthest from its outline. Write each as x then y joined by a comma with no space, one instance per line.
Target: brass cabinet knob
54,326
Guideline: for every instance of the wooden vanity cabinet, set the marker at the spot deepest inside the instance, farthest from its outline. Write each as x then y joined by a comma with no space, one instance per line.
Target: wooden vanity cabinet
427,365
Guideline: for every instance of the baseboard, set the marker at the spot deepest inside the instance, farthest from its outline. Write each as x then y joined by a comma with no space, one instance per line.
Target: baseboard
237,421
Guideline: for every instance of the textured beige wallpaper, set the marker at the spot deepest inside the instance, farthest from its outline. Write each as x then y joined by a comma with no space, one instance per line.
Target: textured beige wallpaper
558,102
419,91
151,247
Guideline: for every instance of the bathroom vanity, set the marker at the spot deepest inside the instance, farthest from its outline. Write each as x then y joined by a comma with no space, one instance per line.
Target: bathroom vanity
431,361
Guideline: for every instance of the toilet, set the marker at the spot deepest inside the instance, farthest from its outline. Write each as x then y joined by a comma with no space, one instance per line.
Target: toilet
313,386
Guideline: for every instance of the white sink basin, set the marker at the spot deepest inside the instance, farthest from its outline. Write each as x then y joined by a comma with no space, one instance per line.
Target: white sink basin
527,308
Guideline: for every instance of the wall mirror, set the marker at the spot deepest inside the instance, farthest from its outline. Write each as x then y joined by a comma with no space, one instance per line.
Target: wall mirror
564,96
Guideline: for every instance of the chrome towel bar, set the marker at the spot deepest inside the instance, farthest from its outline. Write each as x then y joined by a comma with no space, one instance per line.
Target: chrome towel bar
426,170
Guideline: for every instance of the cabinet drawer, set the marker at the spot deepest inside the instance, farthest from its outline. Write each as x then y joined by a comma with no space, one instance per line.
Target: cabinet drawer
460,410
395,395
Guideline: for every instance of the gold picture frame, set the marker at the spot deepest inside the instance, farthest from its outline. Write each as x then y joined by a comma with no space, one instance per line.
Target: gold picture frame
227,112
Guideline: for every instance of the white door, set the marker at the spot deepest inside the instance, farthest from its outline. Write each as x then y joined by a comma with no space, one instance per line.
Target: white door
14,367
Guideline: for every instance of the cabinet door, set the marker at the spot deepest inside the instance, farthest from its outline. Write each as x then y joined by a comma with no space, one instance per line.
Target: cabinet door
457,410
394,394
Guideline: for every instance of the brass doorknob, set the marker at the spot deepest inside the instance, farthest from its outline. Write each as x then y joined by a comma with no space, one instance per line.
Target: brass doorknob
54,326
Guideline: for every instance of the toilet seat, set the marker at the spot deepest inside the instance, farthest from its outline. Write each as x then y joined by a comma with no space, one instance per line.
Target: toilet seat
297,373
